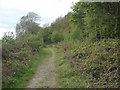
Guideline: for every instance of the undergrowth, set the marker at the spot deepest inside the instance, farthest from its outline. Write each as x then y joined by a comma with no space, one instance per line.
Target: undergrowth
67,76
27,70
96,61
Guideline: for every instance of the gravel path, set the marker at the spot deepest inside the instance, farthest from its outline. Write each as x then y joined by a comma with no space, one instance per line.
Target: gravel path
45,76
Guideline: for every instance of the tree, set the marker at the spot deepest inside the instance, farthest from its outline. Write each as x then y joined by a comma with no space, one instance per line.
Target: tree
28,23
56,37
8,37
100,20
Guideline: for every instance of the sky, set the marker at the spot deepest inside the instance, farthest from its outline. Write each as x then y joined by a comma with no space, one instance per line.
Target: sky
12,10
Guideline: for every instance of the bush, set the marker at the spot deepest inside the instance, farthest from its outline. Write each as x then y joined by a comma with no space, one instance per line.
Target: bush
16,54
56,37
97,60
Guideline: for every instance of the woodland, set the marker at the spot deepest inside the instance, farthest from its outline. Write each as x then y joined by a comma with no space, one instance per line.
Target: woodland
88,37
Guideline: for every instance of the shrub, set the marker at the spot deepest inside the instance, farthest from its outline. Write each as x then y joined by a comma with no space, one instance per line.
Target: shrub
56,37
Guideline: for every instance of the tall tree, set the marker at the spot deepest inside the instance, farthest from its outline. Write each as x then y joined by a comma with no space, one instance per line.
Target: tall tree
28,23
100,20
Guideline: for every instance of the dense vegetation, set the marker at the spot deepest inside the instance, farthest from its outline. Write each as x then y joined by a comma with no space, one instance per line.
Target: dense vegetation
88,36
17,53
89,40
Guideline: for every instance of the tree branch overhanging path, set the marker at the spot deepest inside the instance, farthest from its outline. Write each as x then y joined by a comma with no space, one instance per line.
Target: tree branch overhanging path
45,75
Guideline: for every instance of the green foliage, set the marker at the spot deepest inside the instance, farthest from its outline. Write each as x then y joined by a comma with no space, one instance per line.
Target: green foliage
76,34
56,37
28,24
88,36
98,61
8,37
97,17
91,45
35,42
47,35
67,76
17,53
24,71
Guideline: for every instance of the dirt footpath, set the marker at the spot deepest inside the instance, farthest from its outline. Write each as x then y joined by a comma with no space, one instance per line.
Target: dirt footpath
45,76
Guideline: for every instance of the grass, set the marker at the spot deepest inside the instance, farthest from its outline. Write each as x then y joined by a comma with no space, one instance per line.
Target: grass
67,76
21,82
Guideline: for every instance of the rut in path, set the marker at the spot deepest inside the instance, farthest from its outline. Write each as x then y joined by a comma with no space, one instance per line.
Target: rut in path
45,75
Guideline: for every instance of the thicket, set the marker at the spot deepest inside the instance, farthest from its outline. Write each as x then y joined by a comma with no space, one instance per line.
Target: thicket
91,41
97,61
17,52
88,36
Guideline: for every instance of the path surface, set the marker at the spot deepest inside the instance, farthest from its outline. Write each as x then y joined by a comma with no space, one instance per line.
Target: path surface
45,75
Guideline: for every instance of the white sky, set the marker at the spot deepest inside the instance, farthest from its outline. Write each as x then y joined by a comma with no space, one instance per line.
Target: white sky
12,10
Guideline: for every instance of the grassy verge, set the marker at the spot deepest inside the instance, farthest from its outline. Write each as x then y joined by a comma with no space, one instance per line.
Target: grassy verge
22,79
67,76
